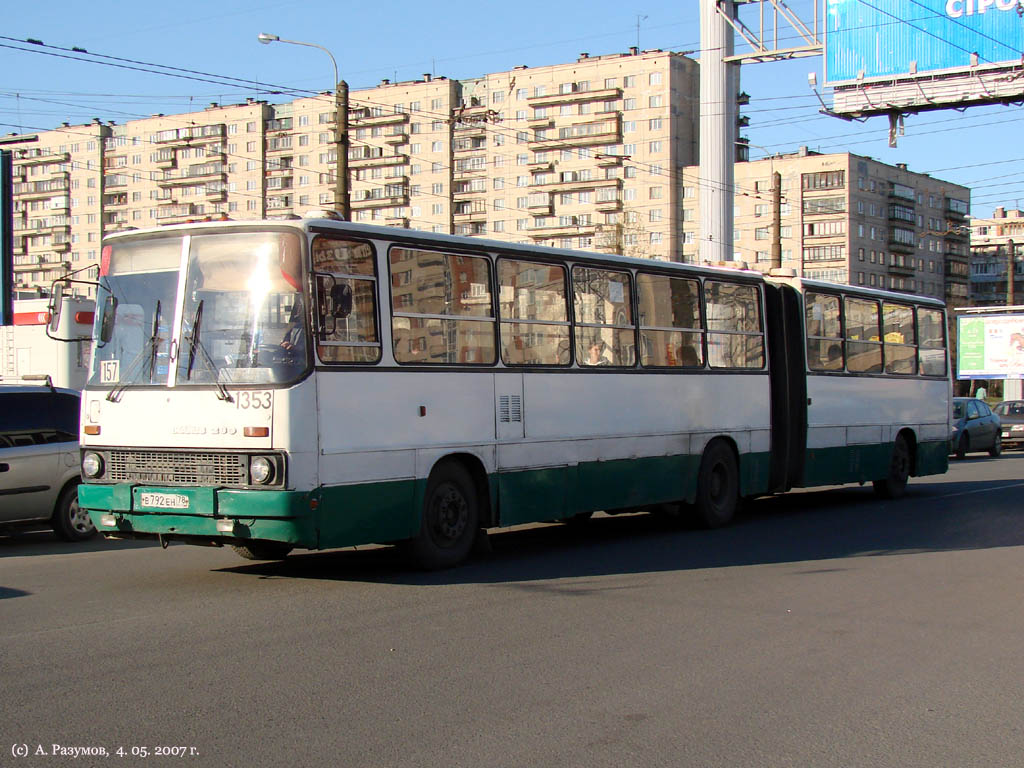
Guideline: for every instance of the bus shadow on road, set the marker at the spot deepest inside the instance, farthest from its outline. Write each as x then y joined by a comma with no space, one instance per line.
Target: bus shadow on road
811,526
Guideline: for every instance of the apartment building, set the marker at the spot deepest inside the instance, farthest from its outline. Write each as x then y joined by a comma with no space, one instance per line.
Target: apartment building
848,219
587,155
991,243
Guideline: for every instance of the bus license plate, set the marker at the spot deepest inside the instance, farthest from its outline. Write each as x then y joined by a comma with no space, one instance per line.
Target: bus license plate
164,500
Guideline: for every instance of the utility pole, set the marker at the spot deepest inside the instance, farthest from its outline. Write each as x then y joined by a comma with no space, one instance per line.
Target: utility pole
1010,250
776,220
342,197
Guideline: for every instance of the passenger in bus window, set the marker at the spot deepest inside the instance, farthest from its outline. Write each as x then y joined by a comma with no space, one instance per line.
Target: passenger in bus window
596,354
688,357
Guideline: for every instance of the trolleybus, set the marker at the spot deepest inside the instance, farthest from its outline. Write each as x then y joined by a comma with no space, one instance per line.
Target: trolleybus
317,383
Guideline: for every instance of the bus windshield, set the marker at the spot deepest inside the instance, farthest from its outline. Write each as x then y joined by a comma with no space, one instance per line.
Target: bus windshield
222,308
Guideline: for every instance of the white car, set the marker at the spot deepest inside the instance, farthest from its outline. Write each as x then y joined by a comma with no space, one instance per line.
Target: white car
39,461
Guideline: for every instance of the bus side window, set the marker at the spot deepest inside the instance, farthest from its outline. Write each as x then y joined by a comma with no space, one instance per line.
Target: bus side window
735,333
900,338
931,335
534,313
346,287
671,332
863,336
824,332
603,304
442,308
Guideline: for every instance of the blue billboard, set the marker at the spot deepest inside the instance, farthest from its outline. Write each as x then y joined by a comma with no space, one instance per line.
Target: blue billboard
872,39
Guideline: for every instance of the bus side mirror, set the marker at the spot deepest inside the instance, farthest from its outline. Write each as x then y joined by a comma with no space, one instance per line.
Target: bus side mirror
107,318
56,303
341,300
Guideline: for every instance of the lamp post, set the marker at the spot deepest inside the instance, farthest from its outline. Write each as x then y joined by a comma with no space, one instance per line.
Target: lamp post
341,182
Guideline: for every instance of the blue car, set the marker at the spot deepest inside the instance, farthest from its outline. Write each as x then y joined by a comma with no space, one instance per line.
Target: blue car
975,428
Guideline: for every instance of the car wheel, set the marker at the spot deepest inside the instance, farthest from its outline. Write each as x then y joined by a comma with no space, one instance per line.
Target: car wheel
962,446
894,485
70,522
997,446
264,550
450,519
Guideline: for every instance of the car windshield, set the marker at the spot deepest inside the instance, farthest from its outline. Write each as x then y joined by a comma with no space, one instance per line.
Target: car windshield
958,410
238,305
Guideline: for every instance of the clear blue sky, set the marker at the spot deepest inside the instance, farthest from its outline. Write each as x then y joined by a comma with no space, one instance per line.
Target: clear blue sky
402,40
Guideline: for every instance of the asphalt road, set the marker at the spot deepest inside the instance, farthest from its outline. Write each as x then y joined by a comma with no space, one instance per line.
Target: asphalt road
825,628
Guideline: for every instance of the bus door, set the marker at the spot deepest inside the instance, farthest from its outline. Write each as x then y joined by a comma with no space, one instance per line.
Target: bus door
788,381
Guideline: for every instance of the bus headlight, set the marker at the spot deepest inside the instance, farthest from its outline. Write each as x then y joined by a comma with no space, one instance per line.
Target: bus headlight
92,464
261,470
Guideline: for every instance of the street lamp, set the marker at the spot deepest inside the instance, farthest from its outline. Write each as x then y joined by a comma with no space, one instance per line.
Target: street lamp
341,191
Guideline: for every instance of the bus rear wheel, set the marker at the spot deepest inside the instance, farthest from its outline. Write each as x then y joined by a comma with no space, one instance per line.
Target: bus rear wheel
894,485
265,550
450,519
717,486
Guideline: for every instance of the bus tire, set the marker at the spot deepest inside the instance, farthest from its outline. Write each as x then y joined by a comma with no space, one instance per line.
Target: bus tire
451,517
70,522
717,486
263,550
894,484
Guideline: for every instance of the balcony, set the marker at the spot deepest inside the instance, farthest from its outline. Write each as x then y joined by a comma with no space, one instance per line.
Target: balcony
396,118
193,175
609,206
901,247
609,161
379,202
601,132
42,157
397,221
355,163
901,268
468,192
575,97
572,185
171,213
396,138
561,230
36,190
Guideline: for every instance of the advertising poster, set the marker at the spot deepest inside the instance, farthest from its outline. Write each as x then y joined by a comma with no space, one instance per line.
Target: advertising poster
990,347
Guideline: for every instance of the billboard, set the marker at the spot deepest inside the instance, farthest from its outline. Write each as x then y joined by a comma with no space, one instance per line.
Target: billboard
6,240
990,347
914,55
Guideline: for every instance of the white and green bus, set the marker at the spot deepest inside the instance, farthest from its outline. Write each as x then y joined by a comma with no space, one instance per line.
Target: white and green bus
315,383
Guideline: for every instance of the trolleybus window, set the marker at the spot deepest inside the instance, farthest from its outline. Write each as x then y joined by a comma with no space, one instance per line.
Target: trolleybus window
347,301
735,338
824,332
602,300
863,340
931,333
442,311
670,328
534,313
900,338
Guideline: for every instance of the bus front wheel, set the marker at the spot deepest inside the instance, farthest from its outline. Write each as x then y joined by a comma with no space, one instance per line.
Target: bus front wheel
717,486
450,519
894,485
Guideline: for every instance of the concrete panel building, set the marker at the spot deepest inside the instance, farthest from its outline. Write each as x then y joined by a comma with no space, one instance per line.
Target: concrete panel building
991,243
848,219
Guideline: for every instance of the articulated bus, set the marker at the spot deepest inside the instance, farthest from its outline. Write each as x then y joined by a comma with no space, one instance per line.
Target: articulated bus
316,383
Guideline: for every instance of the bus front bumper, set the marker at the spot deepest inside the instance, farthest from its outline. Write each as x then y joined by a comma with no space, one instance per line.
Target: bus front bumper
213,516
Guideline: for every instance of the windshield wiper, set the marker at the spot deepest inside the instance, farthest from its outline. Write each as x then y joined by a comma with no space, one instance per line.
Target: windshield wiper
194,344
135,366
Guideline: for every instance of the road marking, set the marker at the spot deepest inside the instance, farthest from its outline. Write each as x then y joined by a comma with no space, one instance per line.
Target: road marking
980,490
